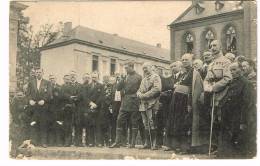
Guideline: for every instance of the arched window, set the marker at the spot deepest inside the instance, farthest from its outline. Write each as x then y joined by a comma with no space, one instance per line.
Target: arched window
231,39
219,4
189,43
209,37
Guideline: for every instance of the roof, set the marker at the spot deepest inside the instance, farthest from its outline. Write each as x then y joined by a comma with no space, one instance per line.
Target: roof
17,5
209,10
106,40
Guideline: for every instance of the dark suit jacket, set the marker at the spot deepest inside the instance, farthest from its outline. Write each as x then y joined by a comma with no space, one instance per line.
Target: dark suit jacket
68,90
237,103
44,92
96,94
55,106
40,113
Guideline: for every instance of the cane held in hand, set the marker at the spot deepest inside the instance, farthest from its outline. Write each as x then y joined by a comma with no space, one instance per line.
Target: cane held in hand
211,122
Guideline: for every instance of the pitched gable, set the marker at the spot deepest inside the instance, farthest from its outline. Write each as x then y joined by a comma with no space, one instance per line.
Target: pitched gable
209,10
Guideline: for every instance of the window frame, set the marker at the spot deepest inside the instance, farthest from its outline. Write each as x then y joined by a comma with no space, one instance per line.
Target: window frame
95,58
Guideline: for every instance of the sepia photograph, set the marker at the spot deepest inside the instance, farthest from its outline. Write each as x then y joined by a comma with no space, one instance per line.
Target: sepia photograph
132,80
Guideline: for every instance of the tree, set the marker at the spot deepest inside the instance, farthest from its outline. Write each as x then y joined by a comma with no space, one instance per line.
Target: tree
29,42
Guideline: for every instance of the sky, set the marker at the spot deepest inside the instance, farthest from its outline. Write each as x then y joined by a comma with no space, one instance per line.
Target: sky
144,21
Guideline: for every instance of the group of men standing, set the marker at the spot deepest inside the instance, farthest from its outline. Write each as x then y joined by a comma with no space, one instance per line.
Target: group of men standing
212,106
203,104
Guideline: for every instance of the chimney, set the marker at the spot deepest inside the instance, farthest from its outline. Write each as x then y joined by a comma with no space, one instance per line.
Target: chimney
67,27
159,45
194,2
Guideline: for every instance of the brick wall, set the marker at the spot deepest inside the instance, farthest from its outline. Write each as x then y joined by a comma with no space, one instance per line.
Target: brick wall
198,32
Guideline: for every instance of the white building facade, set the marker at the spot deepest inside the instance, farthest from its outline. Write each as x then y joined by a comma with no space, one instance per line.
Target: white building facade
72,52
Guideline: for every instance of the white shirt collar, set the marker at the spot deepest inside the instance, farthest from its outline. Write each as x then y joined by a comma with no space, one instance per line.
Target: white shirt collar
38,83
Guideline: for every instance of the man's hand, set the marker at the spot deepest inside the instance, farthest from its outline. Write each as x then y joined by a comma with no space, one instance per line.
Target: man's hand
33,123
189,132
138,94
74,98
110,109
41,102
175,85
243,126
208,88
92,105
189,109
60,122
32,102
56,94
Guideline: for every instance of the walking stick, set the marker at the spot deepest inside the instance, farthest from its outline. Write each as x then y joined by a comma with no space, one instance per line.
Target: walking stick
211,122
149,126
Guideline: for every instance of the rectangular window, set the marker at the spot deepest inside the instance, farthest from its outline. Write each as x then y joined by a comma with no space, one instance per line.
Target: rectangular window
112,67
121,68
95,63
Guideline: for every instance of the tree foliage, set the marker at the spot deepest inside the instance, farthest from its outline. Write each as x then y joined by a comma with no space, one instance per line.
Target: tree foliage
29,44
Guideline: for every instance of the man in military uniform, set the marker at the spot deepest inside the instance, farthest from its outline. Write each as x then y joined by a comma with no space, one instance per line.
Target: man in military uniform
149,94
39,95
236,107
56,114
216,81
129,106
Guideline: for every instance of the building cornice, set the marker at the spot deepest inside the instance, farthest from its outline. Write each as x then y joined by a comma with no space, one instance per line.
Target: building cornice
77,41
237,14
18,6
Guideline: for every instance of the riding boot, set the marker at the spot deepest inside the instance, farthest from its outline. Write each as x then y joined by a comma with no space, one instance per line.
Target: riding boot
154,139
118,139
147,144
133,140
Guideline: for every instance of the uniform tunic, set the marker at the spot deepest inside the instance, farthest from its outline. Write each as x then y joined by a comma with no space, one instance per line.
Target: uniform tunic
129,86
150,88
130,103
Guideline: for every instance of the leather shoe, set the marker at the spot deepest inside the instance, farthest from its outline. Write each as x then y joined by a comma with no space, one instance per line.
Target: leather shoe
44,145
115,145
90,145
167,149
